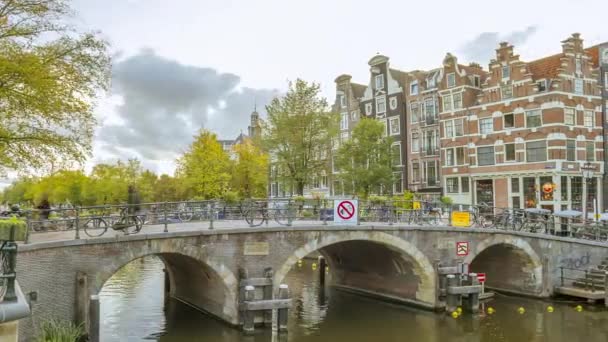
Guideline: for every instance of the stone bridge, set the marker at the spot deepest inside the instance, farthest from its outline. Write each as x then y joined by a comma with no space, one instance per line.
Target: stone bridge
396,262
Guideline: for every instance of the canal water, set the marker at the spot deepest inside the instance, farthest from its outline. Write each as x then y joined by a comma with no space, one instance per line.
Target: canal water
132,310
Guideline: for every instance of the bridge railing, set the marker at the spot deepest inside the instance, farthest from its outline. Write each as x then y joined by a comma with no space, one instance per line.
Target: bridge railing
95,221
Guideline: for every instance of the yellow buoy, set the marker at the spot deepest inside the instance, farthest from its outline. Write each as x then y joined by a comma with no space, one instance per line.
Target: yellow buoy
459,310
491,310
521,310
299,263
314,266
549,309
455,314
578,308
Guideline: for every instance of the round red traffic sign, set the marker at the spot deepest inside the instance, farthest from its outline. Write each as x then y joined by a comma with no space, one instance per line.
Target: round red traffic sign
346,210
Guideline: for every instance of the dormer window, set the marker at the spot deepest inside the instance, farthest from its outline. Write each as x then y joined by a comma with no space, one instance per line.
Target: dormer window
451,80
430,82
506,72
414,88
379,81
476,81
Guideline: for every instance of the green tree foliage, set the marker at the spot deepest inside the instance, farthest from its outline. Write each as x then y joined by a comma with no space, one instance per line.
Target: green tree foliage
167,189
250,171
298,127
204,168
365,160
49,78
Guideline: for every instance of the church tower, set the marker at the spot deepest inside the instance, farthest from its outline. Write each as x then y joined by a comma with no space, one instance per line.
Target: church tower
255,128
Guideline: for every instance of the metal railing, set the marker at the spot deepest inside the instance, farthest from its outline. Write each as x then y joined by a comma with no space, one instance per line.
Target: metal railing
94,221
8,263
585,279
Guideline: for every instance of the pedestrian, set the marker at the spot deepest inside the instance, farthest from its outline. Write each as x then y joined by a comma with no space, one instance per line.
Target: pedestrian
133,200
45,208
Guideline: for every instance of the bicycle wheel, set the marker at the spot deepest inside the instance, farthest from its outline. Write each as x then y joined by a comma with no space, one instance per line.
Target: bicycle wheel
134,224
255,217
281,216
185,215
95,227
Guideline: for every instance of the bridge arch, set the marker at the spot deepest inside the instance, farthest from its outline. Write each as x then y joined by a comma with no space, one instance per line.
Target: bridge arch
510,264
406,258
194,278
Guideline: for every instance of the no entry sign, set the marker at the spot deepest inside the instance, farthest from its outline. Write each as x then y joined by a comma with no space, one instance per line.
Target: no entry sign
462,248
345,211
481,277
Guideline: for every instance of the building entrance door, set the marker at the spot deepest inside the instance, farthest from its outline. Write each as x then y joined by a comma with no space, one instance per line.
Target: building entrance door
485,192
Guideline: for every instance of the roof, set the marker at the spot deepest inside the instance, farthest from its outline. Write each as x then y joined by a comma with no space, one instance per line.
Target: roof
546,67
594,53
358,90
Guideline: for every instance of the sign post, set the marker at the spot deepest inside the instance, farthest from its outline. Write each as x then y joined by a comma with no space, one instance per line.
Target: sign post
482,279
346,212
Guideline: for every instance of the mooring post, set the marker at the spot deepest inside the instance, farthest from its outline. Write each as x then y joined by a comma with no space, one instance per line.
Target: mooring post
322,267
167,290
452,300
473,297
268,293
283,314
249,316
166,228
94,319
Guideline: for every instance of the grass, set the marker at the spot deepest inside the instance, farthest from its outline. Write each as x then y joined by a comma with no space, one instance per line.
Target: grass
60,331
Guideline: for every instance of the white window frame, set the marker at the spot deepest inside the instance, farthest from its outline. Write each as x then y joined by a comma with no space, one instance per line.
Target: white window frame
380,99
481,125
451,80
415,142
354,115
528,154
504,121
417,115
502,91
344,121
392,120
578,69
398,143
448,106
461,127
588,116
414,86
414,178
493,155
456,188
506,75
379,81
540,115
574,150
572,116
343,101
579,86
514,153
454,101
476,81
448,129
450,157
431,82
434,114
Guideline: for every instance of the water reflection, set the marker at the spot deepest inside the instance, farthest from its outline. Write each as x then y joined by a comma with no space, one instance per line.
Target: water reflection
132,310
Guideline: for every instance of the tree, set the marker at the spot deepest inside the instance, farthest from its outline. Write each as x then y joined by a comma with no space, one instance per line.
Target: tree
205,167
250,172
167,189
145,185
110,182
365,160
299,127
49,78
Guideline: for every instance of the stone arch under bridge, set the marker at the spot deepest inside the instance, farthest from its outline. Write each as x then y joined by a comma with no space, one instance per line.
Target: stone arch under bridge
374,262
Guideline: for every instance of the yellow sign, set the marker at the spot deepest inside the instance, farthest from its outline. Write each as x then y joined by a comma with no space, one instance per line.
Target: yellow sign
461,219
416,205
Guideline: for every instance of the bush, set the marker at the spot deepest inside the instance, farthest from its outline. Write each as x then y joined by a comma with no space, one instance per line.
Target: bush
231,197
446,200
60,331
377,199
19,225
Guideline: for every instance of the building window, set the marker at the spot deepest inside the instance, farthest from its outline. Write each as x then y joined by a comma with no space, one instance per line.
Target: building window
394,125
564,188
506,71
589,118
485,155
368,109
464,183
429,108
380,105
458,101
396,153
486,126
451,80
342,101
541,85
447,102
509,152
578,86
459,155
533,118
509,120
416,172
334,164
590,150
344,121
415,111
392,102
571,150
354,116
449,129
430,82
476,82
323,180
579,66
458,128
507,91
414,88
344,136
398,186
379,81
431,174
415,142
449,157
536,151
515,185
569,116
451,185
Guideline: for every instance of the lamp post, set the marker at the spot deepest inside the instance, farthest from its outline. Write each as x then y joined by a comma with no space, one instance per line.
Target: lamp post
588,170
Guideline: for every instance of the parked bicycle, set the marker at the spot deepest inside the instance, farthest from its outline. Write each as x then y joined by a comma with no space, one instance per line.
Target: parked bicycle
204,211
128,223
259,212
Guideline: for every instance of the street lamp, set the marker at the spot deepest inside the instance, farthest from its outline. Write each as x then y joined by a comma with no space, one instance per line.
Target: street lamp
588,170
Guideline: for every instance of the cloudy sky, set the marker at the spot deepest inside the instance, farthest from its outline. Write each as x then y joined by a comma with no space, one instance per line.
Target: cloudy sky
184,64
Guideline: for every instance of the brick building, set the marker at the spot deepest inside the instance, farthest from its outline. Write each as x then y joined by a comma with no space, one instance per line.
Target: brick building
515,135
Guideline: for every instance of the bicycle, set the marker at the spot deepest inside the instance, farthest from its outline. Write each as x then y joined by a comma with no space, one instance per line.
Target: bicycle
96,226
189,212
258,213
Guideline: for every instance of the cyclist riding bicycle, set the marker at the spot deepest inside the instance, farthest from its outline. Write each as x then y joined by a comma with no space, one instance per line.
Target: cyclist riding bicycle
133,201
